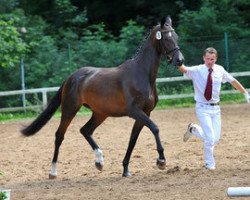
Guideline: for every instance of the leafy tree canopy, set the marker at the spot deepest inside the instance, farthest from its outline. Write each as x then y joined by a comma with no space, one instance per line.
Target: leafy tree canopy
214,18
12,46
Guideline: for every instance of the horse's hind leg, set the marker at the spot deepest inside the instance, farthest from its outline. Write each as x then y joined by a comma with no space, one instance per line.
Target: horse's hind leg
133,138
87,131
66,118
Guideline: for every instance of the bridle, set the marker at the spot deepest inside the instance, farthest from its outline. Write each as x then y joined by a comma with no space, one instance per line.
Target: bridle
174,50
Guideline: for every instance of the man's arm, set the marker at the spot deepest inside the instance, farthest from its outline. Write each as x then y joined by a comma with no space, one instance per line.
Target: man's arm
237,85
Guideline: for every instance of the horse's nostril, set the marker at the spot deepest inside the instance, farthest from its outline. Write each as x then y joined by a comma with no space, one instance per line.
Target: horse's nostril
179,62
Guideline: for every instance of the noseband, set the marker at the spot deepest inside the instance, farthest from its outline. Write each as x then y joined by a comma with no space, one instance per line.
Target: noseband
174,50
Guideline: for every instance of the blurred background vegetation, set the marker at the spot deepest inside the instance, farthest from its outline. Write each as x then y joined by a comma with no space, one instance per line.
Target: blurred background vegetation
56,37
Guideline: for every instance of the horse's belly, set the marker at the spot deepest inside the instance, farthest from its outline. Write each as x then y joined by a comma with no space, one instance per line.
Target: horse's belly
107,105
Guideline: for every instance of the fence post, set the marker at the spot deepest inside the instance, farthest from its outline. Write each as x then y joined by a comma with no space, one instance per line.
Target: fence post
69,55
23,85
45,100
226,50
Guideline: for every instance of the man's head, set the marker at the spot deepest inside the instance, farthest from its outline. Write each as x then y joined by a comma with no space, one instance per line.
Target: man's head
210,56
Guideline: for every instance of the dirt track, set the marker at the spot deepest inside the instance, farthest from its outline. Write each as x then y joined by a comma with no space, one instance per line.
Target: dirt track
25,162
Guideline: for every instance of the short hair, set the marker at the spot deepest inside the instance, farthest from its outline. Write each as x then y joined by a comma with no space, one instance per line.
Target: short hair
210,50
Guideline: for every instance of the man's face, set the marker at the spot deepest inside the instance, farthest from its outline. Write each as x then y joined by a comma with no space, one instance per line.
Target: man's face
209,59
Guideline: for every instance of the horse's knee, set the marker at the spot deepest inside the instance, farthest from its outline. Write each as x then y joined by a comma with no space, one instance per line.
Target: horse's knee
155,130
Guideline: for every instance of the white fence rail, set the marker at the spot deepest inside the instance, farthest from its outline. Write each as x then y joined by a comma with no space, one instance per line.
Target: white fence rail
44,92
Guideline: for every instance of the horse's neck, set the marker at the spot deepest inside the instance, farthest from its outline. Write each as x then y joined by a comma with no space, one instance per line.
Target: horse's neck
148,61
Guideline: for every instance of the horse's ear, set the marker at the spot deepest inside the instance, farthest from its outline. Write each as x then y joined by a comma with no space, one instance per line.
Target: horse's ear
166,20
163,20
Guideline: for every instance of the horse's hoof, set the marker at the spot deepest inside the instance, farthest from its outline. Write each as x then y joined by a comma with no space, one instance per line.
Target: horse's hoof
126,174
52,176
99,166
161,164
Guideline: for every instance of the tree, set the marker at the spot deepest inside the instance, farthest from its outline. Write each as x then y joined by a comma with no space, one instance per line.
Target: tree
131,37
206,27
12,46
213,19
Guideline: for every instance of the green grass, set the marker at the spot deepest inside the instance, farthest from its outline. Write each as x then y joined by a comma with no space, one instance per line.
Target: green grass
162,104
16,115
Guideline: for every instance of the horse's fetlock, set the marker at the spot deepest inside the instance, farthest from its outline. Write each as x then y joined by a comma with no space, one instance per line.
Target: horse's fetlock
125,163
161,151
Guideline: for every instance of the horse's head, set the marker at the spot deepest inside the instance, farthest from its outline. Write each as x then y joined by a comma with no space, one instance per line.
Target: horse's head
165,38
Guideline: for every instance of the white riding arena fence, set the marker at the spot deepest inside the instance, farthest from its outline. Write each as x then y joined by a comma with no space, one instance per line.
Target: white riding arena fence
45,91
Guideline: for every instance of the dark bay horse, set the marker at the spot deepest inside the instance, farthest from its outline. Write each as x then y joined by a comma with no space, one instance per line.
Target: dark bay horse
126,90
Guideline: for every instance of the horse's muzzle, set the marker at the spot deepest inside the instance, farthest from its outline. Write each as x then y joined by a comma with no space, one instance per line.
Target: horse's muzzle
178,58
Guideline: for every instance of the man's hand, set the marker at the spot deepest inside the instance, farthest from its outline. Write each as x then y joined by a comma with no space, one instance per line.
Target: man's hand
182,68
247,97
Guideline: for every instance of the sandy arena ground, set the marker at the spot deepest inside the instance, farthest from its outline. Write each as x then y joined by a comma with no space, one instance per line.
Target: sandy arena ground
25,162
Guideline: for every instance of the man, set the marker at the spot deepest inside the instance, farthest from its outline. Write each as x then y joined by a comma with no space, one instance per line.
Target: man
207,79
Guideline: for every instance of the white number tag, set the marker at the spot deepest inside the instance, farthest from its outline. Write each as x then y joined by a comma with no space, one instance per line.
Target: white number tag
158,35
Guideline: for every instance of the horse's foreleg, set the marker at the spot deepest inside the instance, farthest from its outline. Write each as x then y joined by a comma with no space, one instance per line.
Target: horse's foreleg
139,115
87,131
132,141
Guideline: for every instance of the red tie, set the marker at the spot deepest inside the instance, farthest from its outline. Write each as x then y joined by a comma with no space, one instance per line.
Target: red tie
208,91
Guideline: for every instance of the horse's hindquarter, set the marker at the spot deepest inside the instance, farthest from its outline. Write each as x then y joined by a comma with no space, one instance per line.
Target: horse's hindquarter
102,92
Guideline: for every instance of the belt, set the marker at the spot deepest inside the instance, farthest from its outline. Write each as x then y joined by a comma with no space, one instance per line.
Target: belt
213,104
209,104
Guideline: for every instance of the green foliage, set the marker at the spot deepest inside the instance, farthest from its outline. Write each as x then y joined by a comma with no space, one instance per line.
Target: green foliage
102,49
131,37
7,6
12,46
66,14
194,23
213,19
3,195
98,48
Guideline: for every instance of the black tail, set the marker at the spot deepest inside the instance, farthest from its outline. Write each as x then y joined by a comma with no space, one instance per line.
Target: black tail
45,116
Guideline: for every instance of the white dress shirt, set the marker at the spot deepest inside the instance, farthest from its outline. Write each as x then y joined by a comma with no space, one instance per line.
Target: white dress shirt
199,74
